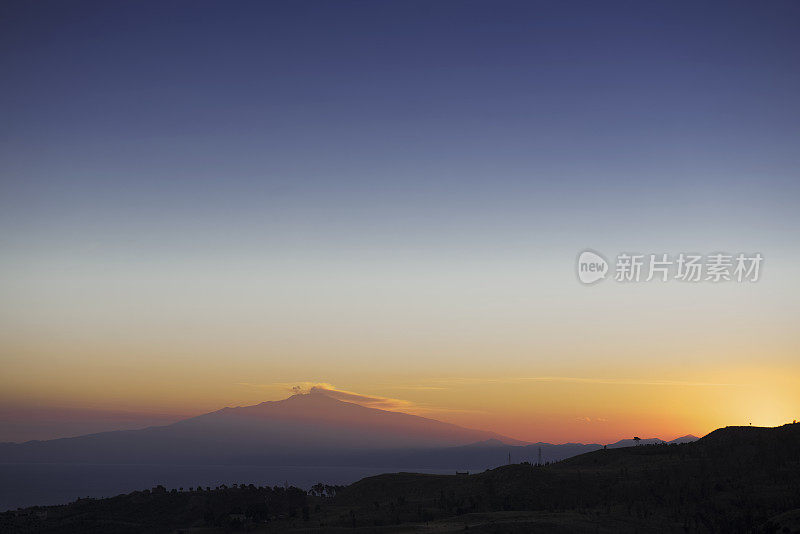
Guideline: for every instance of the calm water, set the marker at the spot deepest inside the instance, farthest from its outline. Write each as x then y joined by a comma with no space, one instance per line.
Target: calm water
32,484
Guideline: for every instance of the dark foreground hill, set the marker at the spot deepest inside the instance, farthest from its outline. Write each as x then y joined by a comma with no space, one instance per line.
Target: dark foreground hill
736,479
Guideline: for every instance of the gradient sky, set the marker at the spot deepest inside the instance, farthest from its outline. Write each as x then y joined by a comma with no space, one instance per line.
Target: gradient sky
205,203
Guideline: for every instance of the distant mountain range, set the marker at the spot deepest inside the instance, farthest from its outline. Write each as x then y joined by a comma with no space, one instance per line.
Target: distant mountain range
305,429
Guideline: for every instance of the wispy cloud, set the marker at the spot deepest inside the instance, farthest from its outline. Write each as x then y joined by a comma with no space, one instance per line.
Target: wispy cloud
418,387
625,381
304,387
592,419
384,403
370,401
454,381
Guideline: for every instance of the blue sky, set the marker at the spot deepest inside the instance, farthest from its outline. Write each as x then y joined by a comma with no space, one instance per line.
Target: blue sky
386,177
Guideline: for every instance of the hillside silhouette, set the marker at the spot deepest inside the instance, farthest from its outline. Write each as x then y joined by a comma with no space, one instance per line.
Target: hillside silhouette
343,439
735,479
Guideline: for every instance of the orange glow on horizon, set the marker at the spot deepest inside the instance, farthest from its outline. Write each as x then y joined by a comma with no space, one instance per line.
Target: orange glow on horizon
552,409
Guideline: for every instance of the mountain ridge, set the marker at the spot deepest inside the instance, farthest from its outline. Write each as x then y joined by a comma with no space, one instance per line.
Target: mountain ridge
315,407
283,429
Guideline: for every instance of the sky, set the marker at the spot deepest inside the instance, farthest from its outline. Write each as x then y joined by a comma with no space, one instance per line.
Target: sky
205,204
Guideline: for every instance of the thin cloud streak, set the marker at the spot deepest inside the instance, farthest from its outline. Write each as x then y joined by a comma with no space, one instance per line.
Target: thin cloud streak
582,380
369,401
